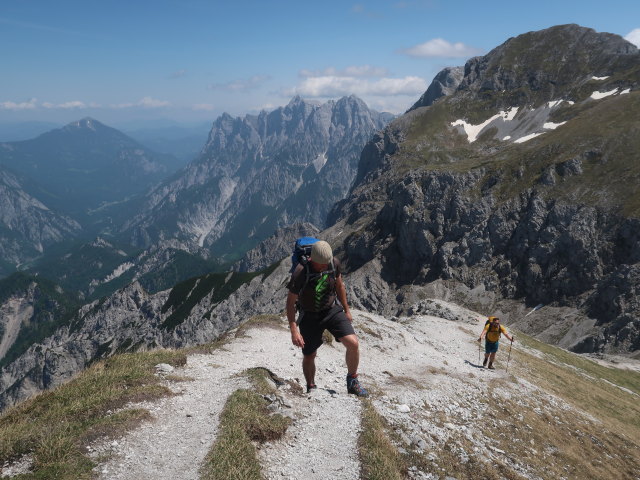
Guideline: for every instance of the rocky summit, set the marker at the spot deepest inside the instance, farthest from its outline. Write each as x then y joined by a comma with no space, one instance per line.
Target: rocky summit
517,187
258,173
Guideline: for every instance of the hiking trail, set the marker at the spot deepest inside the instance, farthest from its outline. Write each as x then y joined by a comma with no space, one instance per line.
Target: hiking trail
417,370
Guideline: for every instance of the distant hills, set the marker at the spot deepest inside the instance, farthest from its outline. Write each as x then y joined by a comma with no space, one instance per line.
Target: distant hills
62,186
16,131
85,165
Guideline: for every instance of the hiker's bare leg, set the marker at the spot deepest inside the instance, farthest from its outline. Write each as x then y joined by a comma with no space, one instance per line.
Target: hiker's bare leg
352,356
492,357
309,368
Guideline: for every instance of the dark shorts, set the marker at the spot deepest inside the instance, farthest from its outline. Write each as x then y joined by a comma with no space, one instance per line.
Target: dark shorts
313,325
491,347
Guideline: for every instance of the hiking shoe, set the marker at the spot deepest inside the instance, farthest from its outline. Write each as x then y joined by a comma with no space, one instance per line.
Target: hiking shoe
491,367
354,387
311,388
484,364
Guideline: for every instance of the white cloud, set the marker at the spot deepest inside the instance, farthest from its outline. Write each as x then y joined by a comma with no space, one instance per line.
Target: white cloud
149,102
30,105
333,86
146,102
66,105
352,71
441,48
634,37
241,85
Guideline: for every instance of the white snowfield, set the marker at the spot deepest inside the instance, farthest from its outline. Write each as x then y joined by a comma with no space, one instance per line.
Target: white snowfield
473,131
417,369
519,126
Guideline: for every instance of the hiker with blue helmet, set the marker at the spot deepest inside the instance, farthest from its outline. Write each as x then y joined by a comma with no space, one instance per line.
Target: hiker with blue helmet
492,331
317,289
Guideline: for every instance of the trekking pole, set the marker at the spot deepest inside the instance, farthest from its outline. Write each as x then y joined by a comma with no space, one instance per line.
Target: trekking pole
507,369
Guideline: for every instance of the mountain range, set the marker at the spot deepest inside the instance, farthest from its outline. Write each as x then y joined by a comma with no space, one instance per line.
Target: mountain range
258,173
510,183
67,185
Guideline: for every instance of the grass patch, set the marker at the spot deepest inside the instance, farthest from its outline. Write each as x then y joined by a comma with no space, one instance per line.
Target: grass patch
186,295
244,420
379,457
609,394
552,441
56,426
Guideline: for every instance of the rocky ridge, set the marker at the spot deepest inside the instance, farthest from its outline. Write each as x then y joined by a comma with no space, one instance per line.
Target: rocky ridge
508,221
192,313
258,173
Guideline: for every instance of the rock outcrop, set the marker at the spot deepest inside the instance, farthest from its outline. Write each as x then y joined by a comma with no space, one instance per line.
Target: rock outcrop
518,206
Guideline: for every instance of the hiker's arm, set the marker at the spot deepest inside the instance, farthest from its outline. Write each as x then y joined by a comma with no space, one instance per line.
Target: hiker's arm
341,293
484,331
296,338
506,334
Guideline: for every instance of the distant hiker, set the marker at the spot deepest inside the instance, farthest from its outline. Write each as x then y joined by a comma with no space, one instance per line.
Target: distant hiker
492,330
315,285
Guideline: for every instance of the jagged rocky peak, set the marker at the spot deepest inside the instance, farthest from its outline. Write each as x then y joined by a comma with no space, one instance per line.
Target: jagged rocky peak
257,173
444,83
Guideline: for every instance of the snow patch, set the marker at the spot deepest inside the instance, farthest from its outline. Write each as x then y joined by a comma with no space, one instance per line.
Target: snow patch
473,131
599,78
527,137
626,90
598,95
552,126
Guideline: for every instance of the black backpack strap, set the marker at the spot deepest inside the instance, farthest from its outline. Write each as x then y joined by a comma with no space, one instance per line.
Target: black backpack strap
306,277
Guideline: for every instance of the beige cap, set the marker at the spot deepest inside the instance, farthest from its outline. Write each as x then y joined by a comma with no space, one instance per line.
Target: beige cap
321,252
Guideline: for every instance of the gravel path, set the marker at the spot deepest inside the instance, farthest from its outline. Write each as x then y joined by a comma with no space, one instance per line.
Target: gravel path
174,445
414,367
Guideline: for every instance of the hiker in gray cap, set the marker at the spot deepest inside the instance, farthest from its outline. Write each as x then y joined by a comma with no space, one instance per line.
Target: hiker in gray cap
316,287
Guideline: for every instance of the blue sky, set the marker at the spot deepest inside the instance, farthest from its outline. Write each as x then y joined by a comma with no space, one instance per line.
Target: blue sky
192,60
